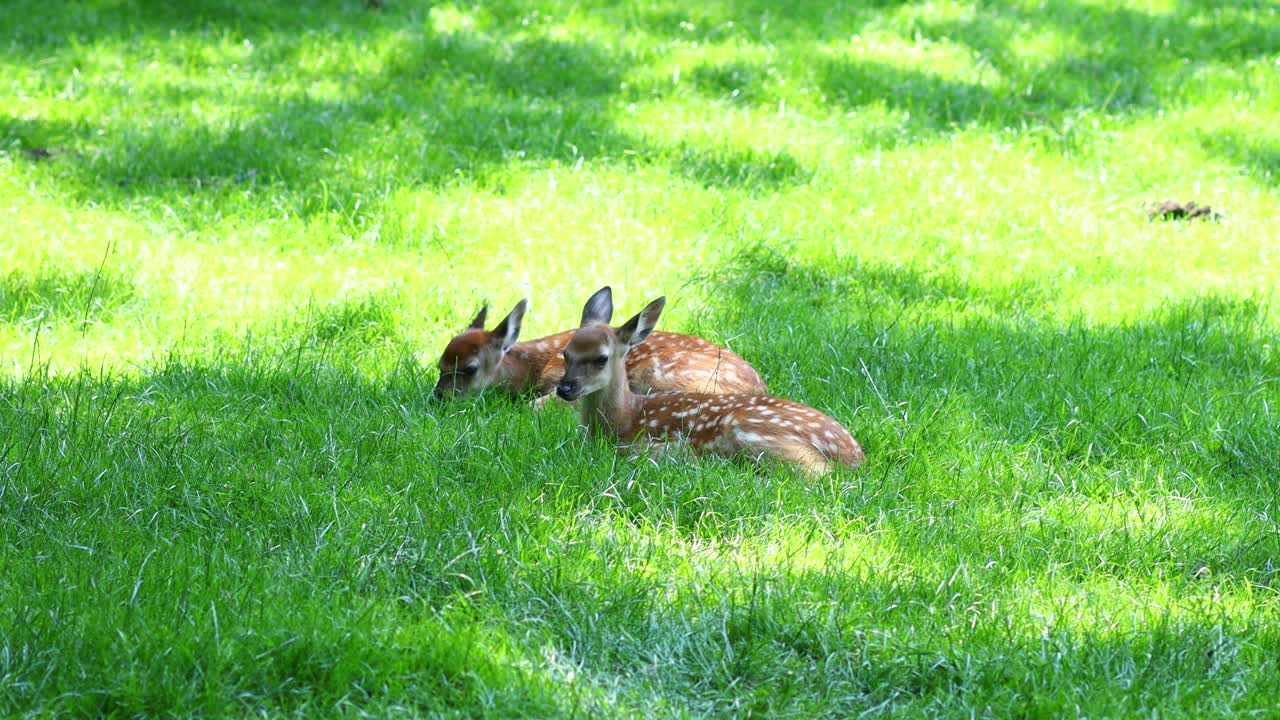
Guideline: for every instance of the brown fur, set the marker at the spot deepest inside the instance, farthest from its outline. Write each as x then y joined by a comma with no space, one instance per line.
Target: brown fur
670,361
665,362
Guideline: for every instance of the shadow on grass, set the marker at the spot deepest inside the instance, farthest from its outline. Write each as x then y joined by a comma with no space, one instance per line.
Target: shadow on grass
53,295
265,528
1185,393
1116,60
778,640
445,107
1077,447
1258,156
281,534
1110,60
35,27
462,105
726,167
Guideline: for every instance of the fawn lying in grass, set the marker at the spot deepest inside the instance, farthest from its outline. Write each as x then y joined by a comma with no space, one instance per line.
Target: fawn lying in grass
757,426
477,359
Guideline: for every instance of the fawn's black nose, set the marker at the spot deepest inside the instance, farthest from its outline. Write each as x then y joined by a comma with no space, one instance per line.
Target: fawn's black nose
568,391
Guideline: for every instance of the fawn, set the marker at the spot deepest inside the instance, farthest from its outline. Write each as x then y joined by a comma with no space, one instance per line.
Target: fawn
477,359
758,426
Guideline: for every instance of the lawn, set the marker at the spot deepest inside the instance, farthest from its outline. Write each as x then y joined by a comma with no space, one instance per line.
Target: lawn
235,236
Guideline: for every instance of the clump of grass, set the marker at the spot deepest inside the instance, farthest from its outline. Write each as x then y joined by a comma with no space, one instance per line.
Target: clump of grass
58,295
372,317
727,167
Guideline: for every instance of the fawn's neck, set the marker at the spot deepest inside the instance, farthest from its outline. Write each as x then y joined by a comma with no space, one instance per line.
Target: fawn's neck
612,410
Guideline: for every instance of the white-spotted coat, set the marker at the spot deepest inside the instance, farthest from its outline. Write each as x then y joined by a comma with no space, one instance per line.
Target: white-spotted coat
473,360
757,426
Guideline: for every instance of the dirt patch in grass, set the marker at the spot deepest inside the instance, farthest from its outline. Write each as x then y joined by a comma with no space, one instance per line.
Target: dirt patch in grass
1174,210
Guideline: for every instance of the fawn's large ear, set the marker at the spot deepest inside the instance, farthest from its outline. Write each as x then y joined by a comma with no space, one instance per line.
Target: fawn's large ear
599,307
507,331
478,323
639,327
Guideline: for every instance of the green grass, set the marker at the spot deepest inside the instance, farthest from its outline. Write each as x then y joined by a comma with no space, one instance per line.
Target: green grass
224,490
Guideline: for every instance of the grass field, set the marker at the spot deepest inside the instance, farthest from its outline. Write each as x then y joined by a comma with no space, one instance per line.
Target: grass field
234,238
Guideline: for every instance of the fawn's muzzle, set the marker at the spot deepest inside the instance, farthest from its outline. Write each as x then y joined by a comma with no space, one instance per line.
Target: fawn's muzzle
569,391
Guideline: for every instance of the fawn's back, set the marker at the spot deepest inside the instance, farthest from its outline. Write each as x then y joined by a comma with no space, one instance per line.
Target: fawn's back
668,362
477,359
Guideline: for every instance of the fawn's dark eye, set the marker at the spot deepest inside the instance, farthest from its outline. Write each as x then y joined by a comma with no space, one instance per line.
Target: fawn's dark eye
601,361
469,371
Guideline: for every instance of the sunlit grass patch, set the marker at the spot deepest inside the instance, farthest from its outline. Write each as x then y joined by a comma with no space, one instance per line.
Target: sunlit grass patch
364,319
53,295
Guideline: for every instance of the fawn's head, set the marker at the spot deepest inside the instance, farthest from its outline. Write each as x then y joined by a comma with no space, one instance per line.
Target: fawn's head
470,361
596,353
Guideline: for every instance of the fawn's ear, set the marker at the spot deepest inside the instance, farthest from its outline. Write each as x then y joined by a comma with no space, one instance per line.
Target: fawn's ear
639,327
599,307
507,331
478,323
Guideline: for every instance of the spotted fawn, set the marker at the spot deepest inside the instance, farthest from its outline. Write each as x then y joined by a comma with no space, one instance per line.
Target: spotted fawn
757,426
